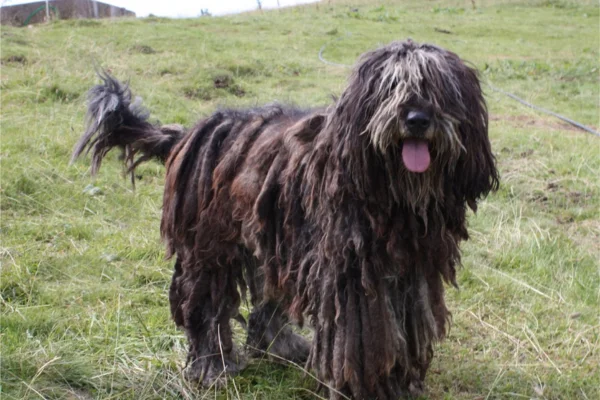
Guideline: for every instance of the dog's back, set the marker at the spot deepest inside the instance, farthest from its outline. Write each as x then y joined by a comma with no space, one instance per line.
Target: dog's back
217,174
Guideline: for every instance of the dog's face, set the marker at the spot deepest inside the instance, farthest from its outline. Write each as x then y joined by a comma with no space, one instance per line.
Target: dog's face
419,99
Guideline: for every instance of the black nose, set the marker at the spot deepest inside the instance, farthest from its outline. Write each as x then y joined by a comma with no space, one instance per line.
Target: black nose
417,122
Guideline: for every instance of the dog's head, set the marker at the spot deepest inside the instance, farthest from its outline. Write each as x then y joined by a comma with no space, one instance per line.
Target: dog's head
425,103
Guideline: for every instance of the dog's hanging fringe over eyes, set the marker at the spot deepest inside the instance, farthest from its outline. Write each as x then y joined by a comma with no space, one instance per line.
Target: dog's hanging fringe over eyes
349,215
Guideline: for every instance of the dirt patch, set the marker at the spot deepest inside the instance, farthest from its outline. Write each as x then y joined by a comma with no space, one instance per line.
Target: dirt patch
510,57
142,49
564,220
222,81
552,186
559,55
586,234
16,59
556,196
526,153
577,197
538,198
227,82
237,91
218,89
523,121
57,93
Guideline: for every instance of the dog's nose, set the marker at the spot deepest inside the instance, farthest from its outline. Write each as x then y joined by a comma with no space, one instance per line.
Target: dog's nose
417,122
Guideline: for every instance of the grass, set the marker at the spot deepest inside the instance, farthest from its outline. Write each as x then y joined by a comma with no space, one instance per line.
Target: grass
84,309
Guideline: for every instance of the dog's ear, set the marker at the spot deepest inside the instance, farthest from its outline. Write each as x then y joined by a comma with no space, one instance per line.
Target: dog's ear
476,173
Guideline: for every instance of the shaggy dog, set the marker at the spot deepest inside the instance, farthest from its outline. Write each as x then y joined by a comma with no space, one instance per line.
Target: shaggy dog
350,215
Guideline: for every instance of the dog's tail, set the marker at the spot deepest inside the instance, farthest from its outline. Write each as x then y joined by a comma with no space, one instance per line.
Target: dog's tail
113,120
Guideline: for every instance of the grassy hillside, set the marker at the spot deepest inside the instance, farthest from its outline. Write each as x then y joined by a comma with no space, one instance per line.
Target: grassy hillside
84,308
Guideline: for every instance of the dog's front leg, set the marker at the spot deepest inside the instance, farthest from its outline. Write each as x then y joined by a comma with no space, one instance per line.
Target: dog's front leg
362,347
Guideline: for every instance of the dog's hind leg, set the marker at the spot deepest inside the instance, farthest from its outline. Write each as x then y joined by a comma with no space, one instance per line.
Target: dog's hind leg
203,300
175,295
269,332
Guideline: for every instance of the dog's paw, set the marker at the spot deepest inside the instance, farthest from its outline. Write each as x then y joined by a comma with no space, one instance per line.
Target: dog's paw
213,371
286,345
291,347
416,388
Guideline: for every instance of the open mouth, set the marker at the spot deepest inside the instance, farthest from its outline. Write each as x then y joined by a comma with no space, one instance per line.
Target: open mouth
415,155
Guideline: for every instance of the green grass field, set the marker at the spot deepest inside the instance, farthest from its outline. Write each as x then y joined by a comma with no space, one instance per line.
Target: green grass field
84,308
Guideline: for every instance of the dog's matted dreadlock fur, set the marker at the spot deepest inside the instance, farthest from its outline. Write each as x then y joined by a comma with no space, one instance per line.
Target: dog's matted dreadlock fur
350,215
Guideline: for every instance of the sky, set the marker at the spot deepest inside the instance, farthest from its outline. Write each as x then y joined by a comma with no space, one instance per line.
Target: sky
187,8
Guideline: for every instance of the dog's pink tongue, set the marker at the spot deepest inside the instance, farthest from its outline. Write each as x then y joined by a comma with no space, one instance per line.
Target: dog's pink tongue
415,155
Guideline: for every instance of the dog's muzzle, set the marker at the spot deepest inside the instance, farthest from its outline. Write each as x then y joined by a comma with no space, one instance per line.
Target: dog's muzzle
415,148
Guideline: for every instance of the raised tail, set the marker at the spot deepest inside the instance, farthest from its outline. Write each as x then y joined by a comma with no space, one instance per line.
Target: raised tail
113,120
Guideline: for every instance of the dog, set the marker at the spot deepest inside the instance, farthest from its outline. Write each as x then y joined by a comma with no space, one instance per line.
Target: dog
350,216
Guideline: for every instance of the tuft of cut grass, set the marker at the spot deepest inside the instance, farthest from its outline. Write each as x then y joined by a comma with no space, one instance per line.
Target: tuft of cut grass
83,287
